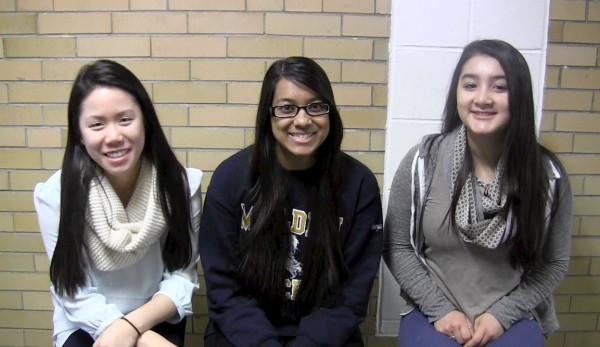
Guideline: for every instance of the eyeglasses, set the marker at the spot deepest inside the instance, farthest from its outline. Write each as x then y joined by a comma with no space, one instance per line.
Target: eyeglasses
290,111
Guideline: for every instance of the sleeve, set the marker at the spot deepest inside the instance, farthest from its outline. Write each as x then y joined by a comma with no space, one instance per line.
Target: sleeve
541,282
88,309
238,317
399,253
362,252
180,285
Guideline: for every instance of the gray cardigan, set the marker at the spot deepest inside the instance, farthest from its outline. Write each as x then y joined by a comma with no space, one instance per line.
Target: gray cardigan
403,244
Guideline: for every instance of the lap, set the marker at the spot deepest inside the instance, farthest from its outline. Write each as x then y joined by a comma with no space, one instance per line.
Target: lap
217,339
416,331
174,333
525,332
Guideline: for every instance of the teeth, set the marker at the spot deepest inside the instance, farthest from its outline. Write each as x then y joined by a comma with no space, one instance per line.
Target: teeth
302,136
116,154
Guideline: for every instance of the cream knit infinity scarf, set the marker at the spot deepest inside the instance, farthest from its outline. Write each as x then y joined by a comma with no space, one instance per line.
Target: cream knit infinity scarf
491,230
116,236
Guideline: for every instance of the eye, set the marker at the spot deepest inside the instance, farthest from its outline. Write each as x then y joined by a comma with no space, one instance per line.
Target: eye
96,126
500,88
318,108
286,109
126,120
469,86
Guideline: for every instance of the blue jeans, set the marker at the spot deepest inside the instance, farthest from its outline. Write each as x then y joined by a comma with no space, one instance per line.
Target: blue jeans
416,331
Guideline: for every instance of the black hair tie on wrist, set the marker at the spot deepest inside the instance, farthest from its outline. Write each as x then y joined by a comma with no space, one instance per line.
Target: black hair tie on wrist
133,326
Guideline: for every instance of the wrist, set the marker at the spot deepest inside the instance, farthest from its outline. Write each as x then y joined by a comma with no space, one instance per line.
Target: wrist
139,333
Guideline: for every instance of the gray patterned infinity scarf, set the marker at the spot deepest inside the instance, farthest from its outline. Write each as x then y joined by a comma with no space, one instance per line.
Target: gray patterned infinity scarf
489,230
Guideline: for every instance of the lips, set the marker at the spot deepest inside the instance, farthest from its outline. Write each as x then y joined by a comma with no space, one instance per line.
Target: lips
483,113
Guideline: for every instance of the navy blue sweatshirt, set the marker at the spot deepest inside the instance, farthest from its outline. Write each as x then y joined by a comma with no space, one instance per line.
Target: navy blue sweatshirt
238,316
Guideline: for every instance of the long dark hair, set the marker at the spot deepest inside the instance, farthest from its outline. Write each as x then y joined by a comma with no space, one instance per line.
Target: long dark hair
526,178
265,248
69,263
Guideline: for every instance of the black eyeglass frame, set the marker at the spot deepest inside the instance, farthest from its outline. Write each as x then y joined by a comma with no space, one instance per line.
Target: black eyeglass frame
298,108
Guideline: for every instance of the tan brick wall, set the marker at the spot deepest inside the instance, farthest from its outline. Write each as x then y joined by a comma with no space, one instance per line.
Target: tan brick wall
570,128
202,62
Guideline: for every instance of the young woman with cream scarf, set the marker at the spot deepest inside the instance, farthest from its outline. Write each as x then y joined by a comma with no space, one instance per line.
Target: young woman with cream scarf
120,220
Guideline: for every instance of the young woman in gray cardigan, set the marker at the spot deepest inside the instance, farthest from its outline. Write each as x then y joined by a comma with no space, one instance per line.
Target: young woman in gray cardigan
478,224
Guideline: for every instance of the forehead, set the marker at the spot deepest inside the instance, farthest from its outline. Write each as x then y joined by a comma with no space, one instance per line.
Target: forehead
482,65
293,90
107,99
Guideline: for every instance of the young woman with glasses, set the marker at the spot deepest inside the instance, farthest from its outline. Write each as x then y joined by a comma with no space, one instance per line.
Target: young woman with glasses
291,235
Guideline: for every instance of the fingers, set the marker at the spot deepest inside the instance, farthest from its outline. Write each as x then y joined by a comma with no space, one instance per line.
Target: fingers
477,339
455,325
464,332
461,334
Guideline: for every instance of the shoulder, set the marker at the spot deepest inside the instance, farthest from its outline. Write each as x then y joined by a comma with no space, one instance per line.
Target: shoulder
554,168
194,177
557,176
48,193
357,173
232,174
236,163
353,167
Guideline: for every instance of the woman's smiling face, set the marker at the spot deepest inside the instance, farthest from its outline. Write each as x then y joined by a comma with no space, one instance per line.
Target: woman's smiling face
482,97
112,131
298,138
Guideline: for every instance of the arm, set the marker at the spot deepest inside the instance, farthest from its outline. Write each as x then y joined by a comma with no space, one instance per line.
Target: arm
239,317
88,309
541,282
180,285
172,302
399,254
121,333
362,252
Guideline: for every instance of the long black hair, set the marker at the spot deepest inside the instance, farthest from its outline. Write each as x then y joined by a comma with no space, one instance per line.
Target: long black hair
265,248
526,173
69,263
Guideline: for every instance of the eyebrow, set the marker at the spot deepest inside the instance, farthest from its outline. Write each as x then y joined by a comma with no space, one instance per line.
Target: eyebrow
291,101
476,77
125,112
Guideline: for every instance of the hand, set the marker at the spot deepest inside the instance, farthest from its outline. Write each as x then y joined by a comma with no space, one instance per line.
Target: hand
456,325
487,328
118,334
152,339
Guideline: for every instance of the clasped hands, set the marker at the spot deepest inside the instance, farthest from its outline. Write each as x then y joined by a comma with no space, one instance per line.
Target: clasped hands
457,326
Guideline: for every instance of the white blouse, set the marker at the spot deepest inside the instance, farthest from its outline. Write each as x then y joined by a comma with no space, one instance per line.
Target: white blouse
111,295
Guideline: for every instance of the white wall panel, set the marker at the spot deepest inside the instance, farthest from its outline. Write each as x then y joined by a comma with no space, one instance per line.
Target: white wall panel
431,23
520,22
420,82
406,134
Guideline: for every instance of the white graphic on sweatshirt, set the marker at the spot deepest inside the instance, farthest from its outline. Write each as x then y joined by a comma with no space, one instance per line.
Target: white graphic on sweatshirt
294,266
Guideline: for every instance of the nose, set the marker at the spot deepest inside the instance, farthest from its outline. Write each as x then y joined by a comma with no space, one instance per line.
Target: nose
112,134
302,118
483,97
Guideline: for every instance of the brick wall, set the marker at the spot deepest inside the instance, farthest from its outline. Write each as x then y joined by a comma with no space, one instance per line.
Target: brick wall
570,127
202,62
